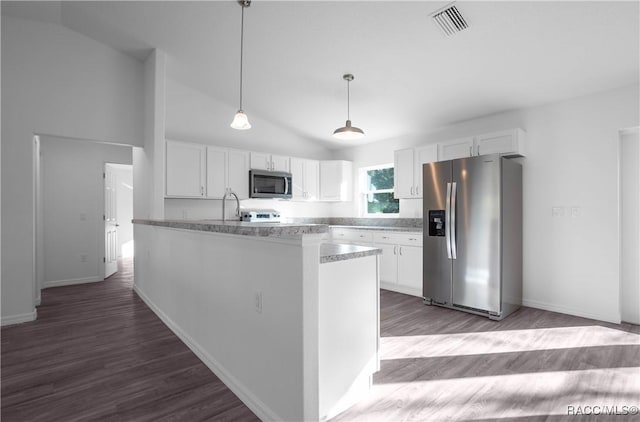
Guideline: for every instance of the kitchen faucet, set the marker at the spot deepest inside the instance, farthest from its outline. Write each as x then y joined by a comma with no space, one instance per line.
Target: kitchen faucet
229,192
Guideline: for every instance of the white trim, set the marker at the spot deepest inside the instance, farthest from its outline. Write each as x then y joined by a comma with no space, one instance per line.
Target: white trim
71,281
607,317
38,301
257,406
19,318
394,287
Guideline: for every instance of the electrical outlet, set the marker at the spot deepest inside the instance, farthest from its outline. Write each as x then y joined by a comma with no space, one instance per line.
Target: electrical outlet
575,212
557,211
257,299
185,214
83,257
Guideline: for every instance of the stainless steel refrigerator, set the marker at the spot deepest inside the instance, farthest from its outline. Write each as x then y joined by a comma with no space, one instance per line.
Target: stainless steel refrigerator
473,235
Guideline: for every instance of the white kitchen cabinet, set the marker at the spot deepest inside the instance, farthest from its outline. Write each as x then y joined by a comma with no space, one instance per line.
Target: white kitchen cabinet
408,170
410,269
403,173
227,169
305,175
401,261
185,174
238,172
336,180
456,148
216,172
270,162
509,143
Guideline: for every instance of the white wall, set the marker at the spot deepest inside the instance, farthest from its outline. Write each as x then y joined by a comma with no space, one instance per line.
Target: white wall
148,162
571,265
54,81
73,205
630,226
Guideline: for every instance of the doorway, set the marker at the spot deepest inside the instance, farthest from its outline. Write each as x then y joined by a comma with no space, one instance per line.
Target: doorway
117,216
630,225
70,208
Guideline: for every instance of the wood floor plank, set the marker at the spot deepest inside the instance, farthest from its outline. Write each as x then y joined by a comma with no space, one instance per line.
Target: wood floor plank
97,352
441,364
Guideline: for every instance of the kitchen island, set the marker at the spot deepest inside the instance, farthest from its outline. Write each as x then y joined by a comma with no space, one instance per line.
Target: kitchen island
287,321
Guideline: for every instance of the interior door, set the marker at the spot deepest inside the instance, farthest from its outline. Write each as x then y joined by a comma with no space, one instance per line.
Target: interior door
110,222
476,269
436,264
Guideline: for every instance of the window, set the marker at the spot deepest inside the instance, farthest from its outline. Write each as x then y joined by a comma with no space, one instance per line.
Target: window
377,191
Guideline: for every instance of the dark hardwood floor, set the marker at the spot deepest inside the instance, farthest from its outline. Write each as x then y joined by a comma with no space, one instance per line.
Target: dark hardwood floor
97,352
439,364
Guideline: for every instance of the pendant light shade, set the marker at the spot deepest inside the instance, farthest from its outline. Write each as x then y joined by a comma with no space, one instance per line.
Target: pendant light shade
240,120
348,132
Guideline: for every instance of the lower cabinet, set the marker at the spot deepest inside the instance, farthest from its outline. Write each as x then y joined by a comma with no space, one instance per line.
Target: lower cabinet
401,259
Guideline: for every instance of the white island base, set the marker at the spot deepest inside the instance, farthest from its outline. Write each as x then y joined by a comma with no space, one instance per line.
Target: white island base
295,339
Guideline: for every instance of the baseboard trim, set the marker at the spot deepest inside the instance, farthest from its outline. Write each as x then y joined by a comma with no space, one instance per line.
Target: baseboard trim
257,406
553,307
19,318
70,282
401,289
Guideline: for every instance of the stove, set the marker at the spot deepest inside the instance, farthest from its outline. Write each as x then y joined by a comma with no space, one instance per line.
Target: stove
260,216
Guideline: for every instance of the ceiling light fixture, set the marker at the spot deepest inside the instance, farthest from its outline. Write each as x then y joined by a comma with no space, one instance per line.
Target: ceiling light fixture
348,132
240,120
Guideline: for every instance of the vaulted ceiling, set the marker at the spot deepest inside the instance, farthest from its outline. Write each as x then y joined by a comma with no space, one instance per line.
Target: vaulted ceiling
409,77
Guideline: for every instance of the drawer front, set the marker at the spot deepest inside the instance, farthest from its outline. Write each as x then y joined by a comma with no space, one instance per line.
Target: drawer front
398,238
358,236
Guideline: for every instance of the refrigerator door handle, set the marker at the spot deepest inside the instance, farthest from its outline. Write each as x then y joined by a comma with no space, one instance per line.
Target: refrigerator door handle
447,221
452,220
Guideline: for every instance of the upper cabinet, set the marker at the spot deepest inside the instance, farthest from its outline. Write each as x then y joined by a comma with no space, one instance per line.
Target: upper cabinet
509,143
200,171
456,148
305,176
336,180
408,162
185,170
227,169
408,170
270,162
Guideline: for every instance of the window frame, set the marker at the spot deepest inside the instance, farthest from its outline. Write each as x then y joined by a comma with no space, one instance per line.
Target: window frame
364,191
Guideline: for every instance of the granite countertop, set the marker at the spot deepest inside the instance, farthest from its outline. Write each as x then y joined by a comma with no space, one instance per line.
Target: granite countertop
287,230
381,228
332,252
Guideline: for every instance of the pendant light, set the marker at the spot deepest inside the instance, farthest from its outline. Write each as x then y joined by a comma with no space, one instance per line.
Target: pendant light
240,120
348,132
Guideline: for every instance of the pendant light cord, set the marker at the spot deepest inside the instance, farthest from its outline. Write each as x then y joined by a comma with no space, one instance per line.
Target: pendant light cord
241,50
348,97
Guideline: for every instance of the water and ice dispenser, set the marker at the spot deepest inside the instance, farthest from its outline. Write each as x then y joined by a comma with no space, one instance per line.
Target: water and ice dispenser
436,223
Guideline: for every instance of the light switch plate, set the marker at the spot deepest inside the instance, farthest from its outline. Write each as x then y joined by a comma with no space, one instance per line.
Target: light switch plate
557,211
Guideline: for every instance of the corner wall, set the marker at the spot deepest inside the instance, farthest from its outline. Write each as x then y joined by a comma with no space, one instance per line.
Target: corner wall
571,264
55,82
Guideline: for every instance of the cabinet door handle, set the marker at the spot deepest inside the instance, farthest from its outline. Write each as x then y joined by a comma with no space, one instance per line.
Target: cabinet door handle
478,149
400,250
395,250
411,190
201,190
470,150
385,237
412,238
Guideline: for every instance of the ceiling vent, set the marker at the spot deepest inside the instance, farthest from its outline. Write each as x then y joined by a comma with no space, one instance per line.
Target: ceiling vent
449,19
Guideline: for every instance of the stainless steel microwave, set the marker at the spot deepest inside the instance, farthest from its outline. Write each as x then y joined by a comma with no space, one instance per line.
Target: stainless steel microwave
270,184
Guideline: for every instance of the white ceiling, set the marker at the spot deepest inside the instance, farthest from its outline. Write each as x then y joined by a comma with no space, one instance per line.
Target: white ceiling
409,78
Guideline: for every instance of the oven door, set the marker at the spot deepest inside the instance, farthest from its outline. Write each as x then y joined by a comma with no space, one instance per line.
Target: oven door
269,184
